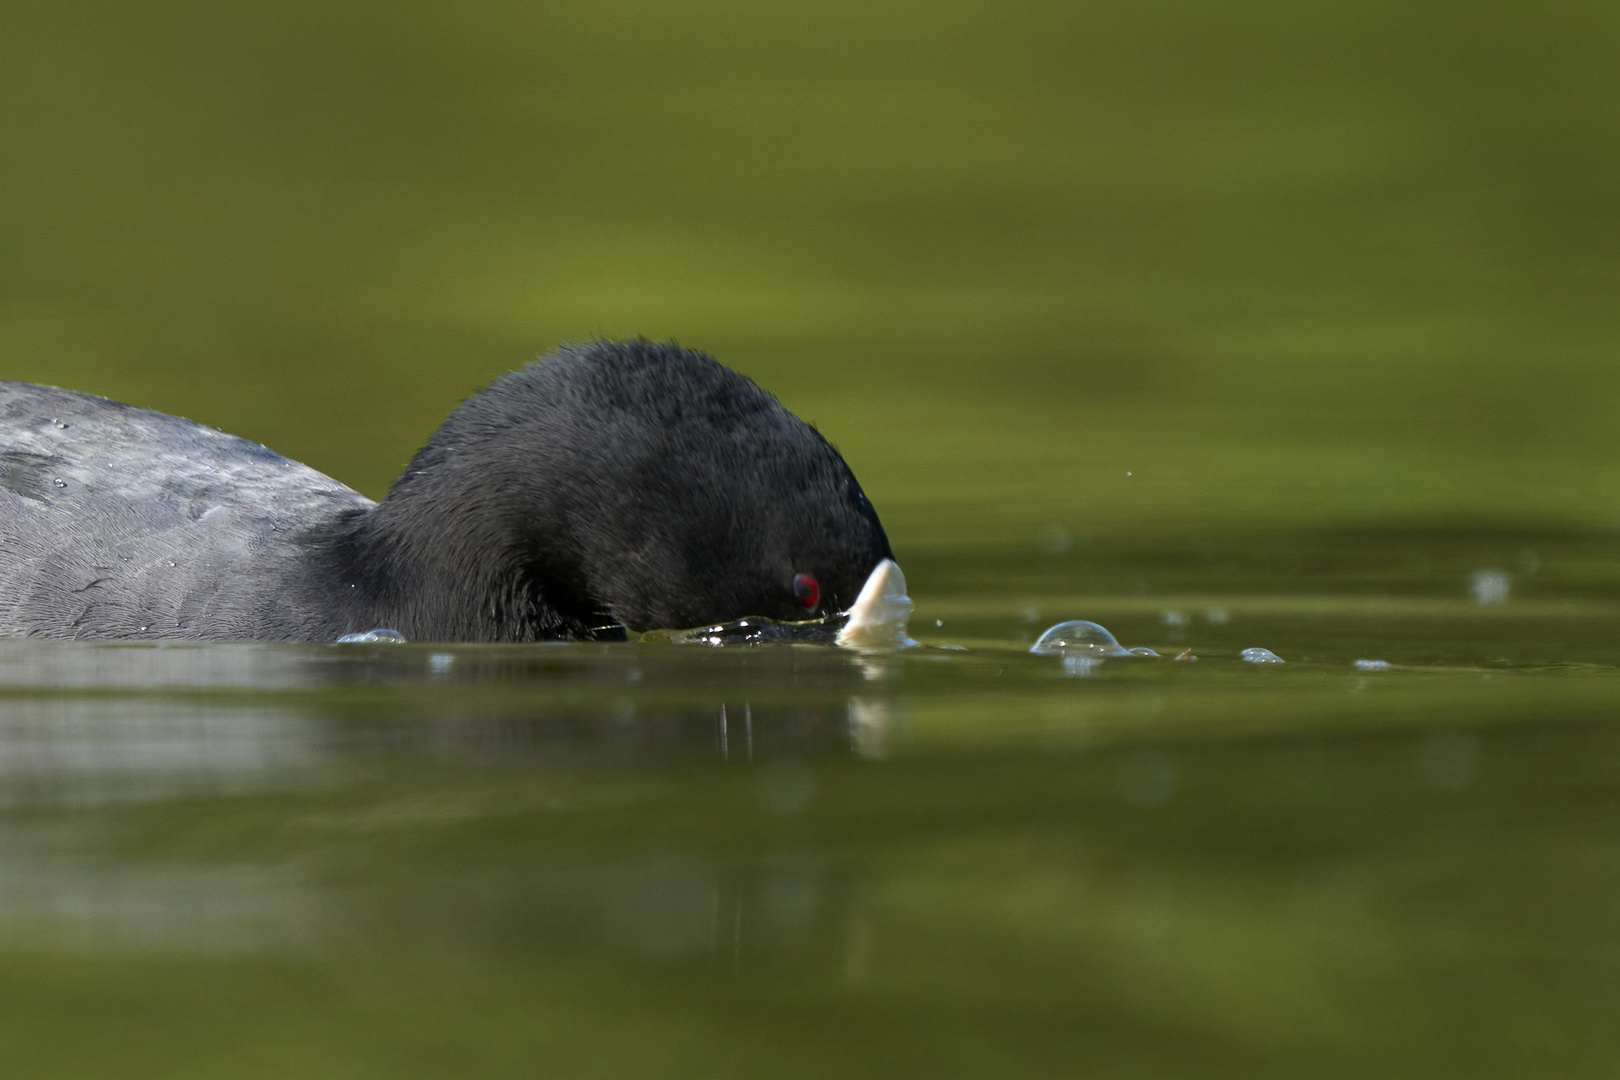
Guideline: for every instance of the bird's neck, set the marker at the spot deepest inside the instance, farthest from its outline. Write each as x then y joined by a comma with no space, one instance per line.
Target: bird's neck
438,568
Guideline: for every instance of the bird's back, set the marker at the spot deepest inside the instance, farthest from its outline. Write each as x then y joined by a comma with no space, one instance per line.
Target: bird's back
121,522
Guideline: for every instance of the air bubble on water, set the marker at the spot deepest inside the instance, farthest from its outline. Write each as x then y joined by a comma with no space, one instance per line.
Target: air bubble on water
379,636
58,425
1488,586
1173,618
59,482
1372,665
440,662
939,622
955,648
1141,650
1260,656
1217,616
1077,637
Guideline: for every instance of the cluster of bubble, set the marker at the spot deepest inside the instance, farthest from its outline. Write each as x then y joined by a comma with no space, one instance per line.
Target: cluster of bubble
1084,644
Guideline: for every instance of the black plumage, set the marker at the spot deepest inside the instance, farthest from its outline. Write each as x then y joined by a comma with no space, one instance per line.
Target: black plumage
607,487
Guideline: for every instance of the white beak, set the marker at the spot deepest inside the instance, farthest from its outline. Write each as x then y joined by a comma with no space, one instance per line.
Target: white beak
877,620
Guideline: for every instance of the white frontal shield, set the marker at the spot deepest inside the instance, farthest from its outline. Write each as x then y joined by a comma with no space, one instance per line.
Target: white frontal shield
877,619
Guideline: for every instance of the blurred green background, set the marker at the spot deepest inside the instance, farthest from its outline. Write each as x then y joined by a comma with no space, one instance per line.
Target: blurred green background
1113,269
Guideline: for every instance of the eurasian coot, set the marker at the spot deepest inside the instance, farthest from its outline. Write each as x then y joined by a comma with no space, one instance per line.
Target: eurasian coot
607,487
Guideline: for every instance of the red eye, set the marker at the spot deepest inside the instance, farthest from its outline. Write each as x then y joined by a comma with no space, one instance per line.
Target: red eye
805,590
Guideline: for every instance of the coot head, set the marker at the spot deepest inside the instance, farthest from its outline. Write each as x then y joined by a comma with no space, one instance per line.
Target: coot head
622,484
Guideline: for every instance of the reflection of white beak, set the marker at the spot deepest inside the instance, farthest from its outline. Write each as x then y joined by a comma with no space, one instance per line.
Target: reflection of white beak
877,619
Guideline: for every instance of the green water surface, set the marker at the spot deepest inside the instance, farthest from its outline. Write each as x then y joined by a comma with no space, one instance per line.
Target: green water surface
650,858
1224,325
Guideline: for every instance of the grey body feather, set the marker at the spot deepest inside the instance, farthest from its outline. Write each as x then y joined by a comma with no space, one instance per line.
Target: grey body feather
121,522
